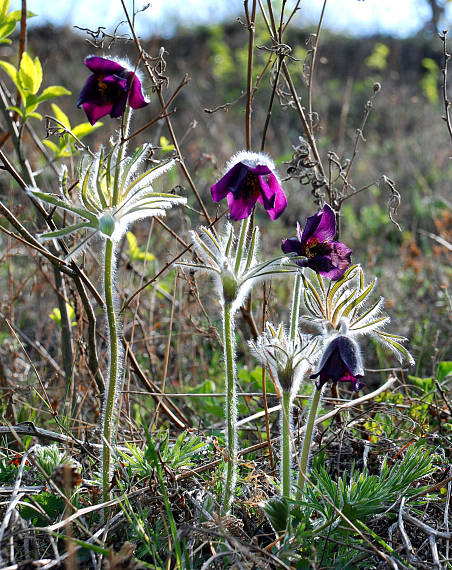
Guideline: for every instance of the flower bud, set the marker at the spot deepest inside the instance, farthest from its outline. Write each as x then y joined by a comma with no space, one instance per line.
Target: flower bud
107,224
230,287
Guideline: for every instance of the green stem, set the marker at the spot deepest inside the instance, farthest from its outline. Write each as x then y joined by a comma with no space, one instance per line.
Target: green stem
121,153
305,451
231,409
110,401
286,455
295,313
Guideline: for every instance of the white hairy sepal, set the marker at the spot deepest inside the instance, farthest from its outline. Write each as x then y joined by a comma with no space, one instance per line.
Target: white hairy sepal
251,159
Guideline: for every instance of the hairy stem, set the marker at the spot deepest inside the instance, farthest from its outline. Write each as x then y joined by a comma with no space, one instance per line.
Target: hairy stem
307,441
286,456
295,312
231,409
112,387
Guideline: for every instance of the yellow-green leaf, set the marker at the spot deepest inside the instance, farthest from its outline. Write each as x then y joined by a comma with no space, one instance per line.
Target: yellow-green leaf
165,145
135,252
55,315
4,7
61,116
52,91
30,73
84,129
10,70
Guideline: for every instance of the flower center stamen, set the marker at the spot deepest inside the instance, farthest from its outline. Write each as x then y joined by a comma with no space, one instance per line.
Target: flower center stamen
251,186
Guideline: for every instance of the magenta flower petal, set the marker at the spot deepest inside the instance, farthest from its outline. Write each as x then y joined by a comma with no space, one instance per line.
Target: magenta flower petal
136,99
109,88
241,207
320,226
247,181
341,362
272,197
232,180
102,65
95,112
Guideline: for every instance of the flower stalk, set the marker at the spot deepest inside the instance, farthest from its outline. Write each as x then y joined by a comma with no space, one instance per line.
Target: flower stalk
231,407
307,441
114,373
286,455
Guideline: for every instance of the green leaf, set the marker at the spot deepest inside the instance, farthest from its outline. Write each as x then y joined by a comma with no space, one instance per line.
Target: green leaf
61,116
34,116
444,370
16,110
17,14
51,504
11,71
54,148
4,7
52,91
55,315
30,73
277,512
84,129
7,28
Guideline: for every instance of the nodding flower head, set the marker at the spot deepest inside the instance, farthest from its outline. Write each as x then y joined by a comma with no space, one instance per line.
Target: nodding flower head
341,362
108,89
287,358
250,178
325,256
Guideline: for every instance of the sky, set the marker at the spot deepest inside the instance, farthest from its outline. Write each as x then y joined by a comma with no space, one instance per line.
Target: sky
394,17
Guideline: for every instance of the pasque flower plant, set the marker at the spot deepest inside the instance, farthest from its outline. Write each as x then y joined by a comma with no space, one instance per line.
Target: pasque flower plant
235,269
288,359
340,314
111,194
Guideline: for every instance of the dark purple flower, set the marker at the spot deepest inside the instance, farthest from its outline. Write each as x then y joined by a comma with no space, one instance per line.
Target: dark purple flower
341,362
329,258
108,89
249,179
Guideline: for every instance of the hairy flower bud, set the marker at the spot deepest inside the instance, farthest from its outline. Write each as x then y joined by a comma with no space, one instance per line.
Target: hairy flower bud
230,286
107,224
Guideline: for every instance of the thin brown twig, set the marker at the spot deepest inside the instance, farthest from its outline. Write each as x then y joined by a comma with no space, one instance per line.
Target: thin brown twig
250,20
165,267
359,133
312,64
167,349
446,100
158,88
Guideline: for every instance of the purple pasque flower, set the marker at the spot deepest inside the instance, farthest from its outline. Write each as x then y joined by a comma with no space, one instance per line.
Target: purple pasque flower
250,178
108,89
341,362
329,258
